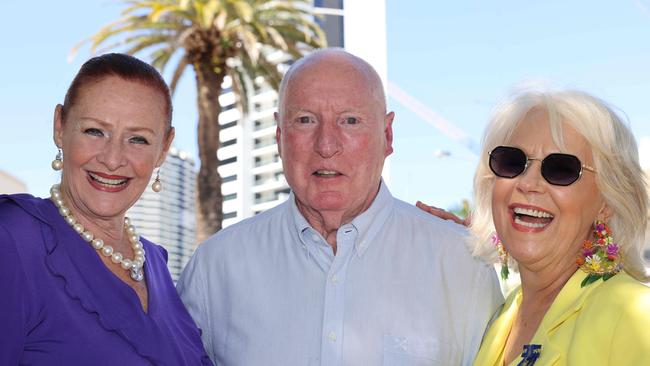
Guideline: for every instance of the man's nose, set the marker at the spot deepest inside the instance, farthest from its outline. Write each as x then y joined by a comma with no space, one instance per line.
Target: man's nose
328,141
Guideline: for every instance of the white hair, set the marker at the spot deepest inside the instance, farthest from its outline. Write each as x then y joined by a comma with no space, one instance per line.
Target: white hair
620,178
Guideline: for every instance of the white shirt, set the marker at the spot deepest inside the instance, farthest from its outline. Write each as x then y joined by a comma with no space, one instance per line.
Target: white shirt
402,289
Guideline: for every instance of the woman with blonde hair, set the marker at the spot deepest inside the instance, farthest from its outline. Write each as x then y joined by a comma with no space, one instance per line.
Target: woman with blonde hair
559,191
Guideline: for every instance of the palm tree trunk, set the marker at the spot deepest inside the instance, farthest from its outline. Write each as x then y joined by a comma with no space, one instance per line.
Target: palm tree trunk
208,184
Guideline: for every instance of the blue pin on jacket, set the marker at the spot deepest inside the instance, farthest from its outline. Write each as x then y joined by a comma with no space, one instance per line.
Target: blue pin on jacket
530,354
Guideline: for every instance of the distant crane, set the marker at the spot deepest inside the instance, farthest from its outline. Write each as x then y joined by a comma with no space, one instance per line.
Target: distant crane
432,117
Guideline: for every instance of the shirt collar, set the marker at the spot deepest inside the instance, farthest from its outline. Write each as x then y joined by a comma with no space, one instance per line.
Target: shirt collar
367,224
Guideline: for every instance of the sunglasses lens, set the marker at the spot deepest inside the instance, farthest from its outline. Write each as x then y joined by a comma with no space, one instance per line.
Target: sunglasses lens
507,162
561,169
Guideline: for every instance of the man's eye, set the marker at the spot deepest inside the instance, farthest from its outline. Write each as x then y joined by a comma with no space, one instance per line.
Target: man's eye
139,140
351,120
304,119
93,132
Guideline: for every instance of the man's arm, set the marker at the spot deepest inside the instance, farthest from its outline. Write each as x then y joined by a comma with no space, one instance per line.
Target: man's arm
193,291
485,298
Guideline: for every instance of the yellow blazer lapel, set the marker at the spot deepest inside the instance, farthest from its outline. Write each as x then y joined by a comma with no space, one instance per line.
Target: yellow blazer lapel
568,303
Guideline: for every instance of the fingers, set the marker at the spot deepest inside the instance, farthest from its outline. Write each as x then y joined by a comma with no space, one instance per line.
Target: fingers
435,211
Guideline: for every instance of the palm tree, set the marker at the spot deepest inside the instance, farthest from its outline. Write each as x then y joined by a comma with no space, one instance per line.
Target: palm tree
218,38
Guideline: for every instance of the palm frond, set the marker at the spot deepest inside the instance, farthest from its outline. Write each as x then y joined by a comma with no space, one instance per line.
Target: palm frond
178,72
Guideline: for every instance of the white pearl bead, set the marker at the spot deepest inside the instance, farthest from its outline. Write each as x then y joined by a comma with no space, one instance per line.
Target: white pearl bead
134,238
64,211
87,236
107,250
58,202
138,252
97,244
126,264
56,194
57,164
78,228
70,220
137,245
127,221
130,229
156,187
136,263
55,188
116,257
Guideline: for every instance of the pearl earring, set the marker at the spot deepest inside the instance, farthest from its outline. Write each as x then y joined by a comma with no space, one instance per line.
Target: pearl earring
156,186
57,163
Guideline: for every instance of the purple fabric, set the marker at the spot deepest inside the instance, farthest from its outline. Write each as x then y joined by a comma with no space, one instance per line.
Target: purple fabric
60,305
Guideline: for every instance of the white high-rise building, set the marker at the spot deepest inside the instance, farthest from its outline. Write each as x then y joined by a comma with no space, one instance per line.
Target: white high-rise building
250,165
167,218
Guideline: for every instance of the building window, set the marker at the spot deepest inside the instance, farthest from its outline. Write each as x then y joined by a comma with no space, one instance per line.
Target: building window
228,142
230,215
230,178
332,4
228,125
228,161
229,197
333,27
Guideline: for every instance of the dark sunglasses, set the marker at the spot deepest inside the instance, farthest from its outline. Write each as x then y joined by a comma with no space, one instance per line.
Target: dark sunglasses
558,169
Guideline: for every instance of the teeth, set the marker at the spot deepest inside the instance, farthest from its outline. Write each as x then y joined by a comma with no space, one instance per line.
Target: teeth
531,212
114,182
528,224
326,172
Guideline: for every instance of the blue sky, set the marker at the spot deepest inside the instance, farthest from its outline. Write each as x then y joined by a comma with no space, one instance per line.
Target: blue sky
457,57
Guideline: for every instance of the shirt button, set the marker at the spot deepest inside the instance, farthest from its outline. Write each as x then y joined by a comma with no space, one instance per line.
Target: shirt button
332,336
335,279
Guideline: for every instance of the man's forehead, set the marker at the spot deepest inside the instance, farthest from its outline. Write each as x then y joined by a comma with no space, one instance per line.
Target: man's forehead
333,77
331,95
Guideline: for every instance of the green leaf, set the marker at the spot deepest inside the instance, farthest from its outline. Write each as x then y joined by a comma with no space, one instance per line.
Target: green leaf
591,278
505,272
607,276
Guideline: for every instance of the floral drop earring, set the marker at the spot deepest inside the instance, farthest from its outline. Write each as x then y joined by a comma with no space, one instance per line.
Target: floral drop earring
600,258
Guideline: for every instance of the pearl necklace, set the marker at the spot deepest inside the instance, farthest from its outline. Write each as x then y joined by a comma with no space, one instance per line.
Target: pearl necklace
134,266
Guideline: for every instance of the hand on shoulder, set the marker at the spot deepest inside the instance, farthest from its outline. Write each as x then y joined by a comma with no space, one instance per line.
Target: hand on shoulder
439,212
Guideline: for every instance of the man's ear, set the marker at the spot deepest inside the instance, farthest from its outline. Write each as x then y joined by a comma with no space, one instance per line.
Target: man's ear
57,130
278,132
388,132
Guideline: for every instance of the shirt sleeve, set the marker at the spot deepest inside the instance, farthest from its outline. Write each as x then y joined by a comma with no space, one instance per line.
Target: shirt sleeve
485,299
631,339
12,301
192,290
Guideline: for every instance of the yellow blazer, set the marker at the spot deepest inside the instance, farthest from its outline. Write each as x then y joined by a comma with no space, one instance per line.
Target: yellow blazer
604,323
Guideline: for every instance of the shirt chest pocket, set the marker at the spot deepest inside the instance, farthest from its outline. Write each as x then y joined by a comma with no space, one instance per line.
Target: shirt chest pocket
410,351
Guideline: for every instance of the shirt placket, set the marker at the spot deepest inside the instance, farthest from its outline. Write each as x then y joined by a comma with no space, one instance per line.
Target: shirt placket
334,309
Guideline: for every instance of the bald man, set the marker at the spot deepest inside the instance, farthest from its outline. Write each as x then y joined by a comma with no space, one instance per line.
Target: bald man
341,273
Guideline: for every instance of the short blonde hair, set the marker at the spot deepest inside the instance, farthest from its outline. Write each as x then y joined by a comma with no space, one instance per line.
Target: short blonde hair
620,178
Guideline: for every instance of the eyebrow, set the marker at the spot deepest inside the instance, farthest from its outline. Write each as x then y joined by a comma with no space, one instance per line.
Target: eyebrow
107,125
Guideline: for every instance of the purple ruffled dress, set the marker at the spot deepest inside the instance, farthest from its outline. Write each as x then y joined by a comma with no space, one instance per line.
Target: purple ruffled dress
60,305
